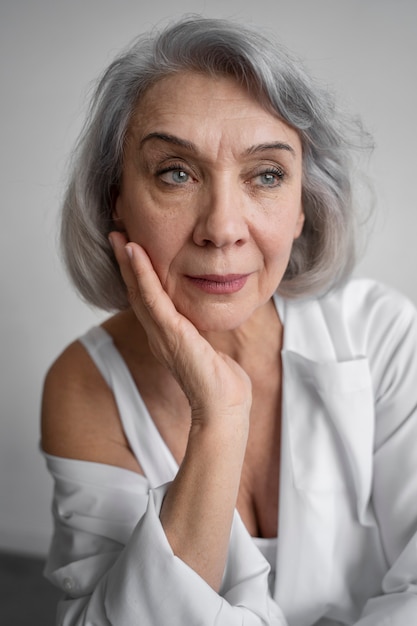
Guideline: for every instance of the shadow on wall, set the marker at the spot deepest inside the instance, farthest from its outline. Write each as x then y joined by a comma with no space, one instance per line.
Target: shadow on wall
26,597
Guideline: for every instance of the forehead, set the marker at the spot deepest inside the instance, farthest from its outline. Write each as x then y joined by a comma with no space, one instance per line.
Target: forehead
197,106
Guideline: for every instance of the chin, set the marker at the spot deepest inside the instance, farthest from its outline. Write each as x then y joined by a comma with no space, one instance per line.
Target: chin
219,319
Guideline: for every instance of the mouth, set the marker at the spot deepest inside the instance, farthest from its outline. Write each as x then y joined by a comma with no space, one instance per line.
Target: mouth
219,284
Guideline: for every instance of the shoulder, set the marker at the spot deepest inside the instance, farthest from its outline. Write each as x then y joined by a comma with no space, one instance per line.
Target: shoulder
72,387
373,315
80,418
366,320
381,325
365,297
358,318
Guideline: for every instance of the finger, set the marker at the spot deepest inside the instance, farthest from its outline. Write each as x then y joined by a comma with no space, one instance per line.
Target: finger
152,295
151,304
118,242
165,326
143,284
173,339
133,270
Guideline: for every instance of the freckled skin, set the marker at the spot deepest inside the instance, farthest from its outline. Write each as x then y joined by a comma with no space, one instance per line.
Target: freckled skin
205,199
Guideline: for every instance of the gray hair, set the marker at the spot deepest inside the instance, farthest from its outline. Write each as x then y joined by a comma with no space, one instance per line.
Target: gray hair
324,253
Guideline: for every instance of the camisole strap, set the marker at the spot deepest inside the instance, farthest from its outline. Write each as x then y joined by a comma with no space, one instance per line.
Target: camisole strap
144,438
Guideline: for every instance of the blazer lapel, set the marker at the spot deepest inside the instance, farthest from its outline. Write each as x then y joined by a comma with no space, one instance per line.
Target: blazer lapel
326,458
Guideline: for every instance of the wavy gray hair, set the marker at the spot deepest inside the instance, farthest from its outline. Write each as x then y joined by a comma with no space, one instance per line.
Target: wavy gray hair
324,253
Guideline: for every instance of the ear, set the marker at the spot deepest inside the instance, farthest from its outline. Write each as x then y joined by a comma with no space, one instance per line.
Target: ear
117,212
299,223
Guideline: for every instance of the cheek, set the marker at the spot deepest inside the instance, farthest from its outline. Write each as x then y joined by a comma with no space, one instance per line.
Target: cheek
280,230
277,247
143,225
150,216
163,241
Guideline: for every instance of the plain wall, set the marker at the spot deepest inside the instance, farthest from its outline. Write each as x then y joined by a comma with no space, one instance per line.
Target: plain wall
50,51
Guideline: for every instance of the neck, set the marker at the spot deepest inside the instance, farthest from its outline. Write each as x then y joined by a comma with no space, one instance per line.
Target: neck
262,330
259,339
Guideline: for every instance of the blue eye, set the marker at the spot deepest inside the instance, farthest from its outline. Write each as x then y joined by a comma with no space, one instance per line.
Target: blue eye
179,176
174,176
270,178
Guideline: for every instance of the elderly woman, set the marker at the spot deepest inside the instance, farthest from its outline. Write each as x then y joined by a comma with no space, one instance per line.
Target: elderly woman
236,444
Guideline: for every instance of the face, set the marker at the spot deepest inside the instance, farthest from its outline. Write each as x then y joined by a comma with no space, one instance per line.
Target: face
211,188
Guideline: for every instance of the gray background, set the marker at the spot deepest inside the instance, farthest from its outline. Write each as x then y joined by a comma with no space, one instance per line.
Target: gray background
50,52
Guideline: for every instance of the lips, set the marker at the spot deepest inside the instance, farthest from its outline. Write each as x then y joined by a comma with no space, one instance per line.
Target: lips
219,284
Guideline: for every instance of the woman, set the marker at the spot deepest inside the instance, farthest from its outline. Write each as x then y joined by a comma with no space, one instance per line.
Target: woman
235,445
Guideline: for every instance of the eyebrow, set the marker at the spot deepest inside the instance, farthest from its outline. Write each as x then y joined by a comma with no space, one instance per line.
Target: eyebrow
275,145
183,143
177,141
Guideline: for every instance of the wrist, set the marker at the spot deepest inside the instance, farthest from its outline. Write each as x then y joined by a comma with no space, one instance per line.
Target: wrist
224,435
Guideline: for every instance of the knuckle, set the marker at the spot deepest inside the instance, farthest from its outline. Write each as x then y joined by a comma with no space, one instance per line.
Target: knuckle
132,294
149,302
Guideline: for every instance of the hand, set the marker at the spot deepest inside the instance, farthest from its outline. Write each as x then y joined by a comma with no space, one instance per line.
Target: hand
215,385
197,510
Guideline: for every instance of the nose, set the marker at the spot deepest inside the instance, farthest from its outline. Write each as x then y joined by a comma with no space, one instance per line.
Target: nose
221,218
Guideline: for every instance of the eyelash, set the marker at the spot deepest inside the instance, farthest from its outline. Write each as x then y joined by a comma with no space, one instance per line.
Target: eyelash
273,171
175,167
178,167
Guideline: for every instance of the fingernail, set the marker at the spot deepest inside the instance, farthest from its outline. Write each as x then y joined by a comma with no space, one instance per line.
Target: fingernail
129,251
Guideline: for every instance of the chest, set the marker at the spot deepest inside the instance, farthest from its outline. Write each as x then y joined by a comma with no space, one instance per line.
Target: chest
258,496
258,499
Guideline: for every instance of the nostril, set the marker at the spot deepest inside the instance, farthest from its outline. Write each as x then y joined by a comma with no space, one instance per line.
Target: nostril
220,226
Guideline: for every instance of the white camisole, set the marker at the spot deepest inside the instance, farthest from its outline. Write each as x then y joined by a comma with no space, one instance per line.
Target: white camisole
145,441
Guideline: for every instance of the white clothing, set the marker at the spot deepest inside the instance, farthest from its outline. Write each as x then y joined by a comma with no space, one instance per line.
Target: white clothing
348,490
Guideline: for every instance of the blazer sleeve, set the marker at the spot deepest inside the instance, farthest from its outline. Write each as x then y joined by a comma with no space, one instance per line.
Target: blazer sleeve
394,354
111,558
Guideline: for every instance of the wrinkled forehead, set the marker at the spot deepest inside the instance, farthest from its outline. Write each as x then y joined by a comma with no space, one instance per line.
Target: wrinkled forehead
208,109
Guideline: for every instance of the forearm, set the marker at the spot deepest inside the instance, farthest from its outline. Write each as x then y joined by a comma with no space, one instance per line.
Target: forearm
198,508
120,571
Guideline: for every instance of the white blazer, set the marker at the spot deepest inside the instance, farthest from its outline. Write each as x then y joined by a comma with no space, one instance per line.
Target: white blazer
348,494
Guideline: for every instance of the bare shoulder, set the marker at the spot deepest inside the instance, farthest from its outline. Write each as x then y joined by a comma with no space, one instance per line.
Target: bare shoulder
80,419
